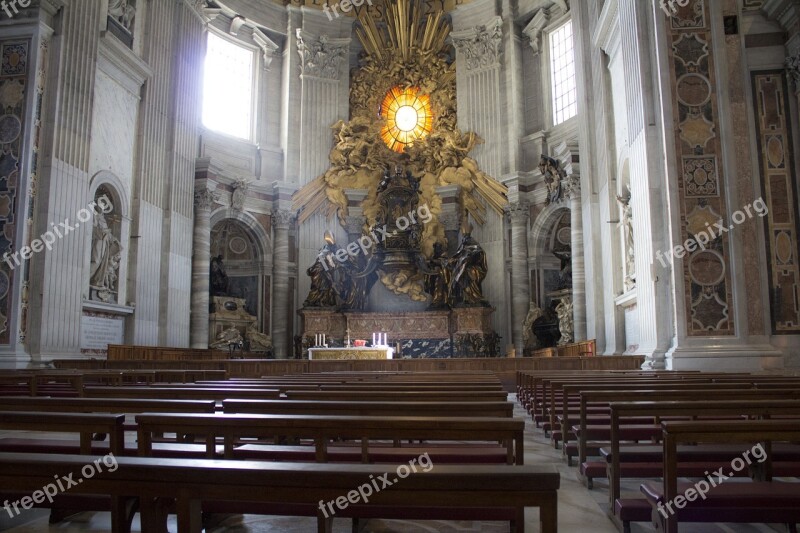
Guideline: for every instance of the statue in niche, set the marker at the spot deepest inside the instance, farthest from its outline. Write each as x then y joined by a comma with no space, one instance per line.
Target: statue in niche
259,342
565,322
469,270
437,277
552,172
322,292
565,274
626,218
218,277
529,339
123,12
226,338
352,282
106,256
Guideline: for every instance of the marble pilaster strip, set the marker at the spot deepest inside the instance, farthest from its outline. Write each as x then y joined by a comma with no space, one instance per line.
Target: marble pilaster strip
201,259
519,215
282,219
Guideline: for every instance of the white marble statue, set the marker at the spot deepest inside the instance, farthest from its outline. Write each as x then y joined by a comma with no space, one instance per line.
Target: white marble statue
122,12
106,256
628,250
566,326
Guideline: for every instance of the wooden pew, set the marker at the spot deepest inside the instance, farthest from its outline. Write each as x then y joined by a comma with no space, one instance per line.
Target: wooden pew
720,392
322,429
432,396
444,492
639,461
83,424
180,393
758,501
305,407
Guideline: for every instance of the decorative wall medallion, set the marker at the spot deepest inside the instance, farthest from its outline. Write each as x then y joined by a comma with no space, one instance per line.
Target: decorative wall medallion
697,130
775,151
700,219
564,236
4,284
15,59
690,49
689,16
707,268
783,248
700,176
237,245
10,128
8,163
694,90
12,93
709,312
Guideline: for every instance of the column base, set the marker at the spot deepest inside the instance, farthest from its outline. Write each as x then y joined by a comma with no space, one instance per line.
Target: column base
721,358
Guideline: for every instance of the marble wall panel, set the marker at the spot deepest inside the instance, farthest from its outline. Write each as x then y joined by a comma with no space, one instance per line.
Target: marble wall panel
776,163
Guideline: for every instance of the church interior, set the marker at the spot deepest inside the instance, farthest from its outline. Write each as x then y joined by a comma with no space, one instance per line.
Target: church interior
399,266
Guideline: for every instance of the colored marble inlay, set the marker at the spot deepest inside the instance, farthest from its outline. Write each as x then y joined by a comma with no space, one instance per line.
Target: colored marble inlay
701,177
13,84
776,164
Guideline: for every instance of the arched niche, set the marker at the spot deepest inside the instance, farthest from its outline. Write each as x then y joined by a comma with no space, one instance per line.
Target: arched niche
107,209
549,235
246,253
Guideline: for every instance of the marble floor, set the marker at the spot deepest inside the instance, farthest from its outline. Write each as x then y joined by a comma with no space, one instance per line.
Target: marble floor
579,510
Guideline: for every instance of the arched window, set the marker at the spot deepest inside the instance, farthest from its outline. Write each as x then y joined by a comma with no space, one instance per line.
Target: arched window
228,88
562,72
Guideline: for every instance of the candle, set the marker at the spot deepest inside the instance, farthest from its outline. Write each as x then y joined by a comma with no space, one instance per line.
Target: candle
373,339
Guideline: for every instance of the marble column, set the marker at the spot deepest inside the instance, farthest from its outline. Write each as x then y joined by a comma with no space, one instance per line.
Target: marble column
519,214
571,185
282,219
201,260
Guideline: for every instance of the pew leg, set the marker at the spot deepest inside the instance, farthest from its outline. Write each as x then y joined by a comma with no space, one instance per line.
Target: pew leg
791,528
153,513
324,524
190,515
122,511
548,515
358,525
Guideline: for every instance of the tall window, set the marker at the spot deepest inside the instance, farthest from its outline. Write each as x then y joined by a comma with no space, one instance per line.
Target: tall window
565,92
228,88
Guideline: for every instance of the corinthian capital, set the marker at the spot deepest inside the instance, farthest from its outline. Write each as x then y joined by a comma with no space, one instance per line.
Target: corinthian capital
480,46
283,218
518,212
321,57
204,199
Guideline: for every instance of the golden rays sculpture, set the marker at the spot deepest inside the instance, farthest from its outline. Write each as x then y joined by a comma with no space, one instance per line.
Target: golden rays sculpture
403,113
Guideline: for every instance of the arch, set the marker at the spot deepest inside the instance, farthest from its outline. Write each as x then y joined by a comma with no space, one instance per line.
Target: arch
542,228
118,189
260,237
